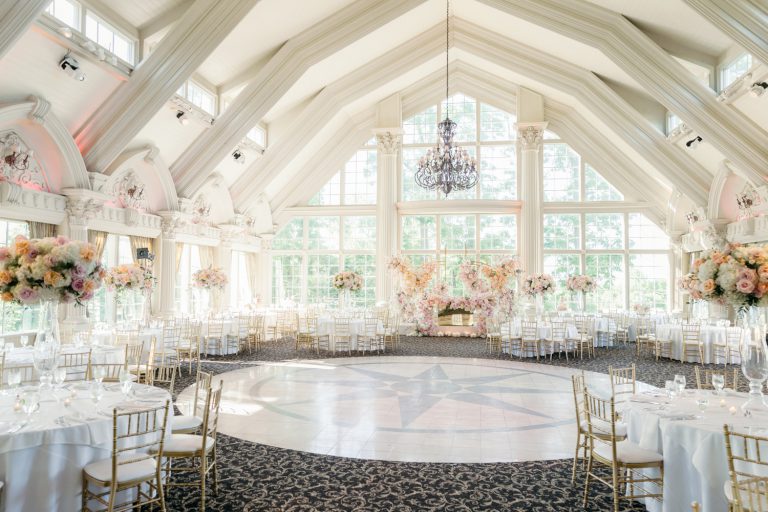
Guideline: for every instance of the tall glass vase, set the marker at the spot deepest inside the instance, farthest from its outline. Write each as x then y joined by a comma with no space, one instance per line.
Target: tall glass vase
146,309
539,305
45,355
578,299
754,357
344,299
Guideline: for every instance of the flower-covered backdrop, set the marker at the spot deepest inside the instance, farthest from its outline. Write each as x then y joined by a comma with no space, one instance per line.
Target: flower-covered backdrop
486,287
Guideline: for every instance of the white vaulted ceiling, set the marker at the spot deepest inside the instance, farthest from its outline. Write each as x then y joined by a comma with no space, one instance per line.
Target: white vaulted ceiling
576,57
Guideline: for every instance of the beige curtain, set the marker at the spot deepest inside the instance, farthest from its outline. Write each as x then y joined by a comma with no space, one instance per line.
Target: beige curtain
141,241
206,255
99,240
179,253
252,268
41,229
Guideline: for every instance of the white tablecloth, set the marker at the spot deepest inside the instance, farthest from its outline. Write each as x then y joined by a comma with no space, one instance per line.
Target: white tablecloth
42,464
695,462
100,354
544,333
708,335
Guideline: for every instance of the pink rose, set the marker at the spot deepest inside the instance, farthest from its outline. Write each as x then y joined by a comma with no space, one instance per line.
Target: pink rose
78,284
747,274
762,272
745,286
708,286
28,295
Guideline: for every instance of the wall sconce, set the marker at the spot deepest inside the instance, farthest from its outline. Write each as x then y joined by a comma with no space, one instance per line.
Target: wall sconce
182,117
694,142
71,67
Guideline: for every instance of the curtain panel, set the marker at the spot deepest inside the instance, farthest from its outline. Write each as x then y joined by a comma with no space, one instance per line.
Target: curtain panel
41,229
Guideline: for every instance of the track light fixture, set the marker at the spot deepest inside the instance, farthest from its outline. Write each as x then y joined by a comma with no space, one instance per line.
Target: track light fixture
182,117
758,89
694,142
71,67
238,156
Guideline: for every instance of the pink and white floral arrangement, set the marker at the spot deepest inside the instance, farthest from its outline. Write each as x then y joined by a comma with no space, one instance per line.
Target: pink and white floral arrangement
736,275
538,284
53,268
414,279
130,277
580,283
348,280
641,309
211,278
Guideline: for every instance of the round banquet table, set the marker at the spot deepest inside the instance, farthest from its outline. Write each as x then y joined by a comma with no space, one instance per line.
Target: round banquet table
695,462
42,463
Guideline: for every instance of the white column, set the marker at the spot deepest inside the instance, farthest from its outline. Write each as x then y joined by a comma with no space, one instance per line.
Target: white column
15,20
530,136
171,222
388,143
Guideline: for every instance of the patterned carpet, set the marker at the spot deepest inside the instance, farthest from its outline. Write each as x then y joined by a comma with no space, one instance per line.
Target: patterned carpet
256,477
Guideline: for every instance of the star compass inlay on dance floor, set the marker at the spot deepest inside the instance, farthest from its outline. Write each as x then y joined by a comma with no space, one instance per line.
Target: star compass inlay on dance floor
404,408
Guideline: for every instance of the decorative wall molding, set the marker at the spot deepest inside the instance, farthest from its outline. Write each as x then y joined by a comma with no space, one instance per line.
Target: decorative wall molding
129,191
273,80
754,229
131,161
678,132
34,205
15,19
19,164
388,142
531,135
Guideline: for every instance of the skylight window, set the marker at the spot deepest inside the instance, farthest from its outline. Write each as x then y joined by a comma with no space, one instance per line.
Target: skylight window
109,38
734,70
198,96
66,11
258,135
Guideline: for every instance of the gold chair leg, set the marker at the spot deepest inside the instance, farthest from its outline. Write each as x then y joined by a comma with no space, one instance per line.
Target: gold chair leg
575,458
586,480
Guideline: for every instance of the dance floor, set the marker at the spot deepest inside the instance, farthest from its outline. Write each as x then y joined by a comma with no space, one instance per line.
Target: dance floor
422,409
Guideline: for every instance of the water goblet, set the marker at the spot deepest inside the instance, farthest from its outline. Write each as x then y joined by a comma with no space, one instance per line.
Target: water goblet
97,391
671,388
718,382
680,381
24,340
59,377
99,372
702,403
30,400
126,383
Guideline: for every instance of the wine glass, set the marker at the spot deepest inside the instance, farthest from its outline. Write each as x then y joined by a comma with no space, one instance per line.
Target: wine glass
97,391
702,402
59,377
99,372
718,382
671,388
24,340
680,381
126,383
30,400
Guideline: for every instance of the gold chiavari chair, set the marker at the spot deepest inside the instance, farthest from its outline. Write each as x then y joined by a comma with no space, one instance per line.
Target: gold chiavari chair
27,374
198,450
622,382
213,336
692,345
663,342
163,371
493,338
622,456
747,488
189,346
555,342
622,328
239,334
579,385
136,462
255,333
512,340
392,332
529,339
645,336
733,337
370,339
288,324
126,336
133,355
190,423
342,335
584,340
704,377
76,364
306,336
107,372
142,367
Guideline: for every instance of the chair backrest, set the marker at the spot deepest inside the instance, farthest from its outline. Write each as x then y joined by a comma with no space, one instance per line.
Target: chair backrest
734,336
214,328
691,333
558,331
133,352
704,377
748,470
211,413
371,325
27,372
600,413
111,371
126,337
529,330
622,381
76,364
163,371
202,385
341,326
578,382
138,435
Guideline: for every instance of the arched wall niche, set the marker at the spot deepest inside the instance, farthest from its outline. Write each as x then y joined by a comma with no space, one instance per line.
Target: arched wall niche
726,184
145,167
54,149
213,196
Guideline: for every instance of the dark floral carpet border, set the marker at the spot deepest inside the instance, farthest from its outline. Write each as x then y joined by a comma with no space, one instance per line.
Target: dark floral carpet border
256,477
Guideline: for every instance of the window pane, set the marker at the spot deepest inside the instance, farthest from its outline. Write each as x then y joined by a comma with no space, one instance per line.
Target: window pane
323,233
597,188
457,232
733,71
608,271
286,278
462,111
418,232
320,270
605,231
644,234
498,232
329,194
498,176
449,273
360,233
365,265
123,48
411,191
562,231
291,236
561,173
65,11
649,280
258,135
360,178
496,124
91,28
421,128
560,266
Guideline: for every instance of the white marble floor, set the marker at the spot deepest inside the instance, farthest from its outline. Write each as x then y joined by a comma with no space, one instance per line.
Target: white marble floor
404,408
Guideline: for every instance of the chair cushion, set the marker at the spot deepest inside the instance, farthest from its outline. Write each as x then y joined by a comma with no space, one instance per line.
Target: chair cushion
628,452
603,427
183,424
140,470
184,444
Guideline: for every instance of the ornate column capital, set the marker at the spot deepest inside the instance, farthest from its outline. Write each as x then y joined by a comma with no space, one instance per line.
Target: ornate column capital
266,242
171,222
83,205
531,135
388,142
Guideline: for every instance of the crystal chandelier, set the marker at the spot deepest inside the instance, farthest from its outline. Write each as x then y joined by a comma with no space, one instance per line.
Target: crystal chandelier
446,167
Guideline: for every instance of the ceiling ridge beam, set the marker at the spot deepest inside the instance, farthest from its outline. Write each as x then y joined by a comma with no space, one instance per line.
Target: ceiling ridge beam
15,20
201,29
293,59
732,133
745,22
596,96
324,106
